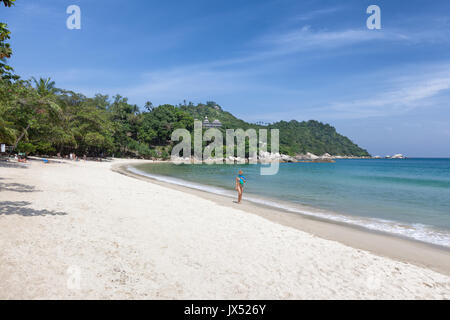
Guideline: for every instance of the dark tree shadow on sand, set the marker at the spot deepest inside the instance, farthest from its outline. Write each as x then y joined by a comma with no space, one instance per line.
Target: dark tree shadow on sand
12,165
20,208
16,187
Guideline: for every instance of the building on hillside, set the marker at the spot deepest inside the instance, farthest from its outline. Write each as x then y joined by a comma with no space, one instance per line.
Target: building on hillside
215,124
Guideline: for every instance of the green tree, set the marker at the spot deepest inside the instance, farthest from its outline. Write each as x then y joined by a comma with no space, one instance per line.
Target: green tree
91,127
26,106
149,106
6,71
166,118
7,127
8,3
44,87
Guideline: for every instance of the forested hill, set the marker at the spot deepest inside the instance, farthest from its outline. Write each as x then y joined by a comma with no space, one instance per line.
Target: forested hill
213,112
315,137
295,137
36,117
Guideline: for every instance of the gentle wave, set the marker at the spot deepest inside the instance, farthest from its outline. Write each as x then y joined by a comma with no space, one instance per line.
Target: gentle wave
418,232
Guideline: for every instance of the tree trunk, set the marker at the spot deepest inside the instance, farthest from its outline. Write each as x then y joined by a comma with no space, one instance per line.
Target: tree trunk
20,138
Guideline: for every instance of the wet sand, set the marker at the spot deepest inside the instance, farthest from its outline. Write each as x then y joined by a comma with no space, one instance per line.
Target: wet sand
383,244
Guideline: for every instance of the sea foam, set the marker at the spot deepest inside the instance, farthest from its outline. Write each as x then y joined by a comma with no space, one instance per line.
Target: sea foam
419,232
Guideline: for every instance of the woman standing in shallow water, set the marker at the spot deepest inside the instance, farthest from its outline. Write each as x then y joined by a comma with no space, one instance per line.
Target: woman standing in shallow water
240,180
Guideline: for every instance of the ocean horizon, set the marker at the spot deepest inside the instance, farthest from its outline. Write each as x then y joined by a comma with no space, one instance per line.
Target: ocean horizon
403,197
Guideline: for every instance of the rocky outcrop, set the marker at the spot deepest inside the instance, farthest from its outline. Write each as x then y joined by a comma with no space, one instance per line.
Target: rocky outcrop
307,156
265,157
326,156
310,157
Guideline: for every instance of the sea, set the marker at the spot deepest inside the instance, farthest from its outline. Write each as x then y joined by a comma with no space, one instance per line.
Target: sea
404,197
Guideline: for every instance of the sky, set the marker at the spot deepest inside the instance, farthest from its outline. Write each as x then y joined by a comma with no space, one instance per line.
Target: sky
388,90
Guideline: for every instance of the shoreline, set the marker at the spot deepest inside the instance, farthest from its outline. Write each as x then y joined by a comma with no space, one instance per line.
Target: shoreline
79,230
384,244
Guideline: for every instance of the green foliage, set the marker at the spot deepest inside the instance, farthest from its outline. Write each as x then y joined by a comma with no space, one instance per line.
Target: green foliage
7,133
214,111
5,53
295,137
165,155
315,137
8,3
6,71
44,148
40,119
43,120
163,120
47,120
44,87
7,128
26,147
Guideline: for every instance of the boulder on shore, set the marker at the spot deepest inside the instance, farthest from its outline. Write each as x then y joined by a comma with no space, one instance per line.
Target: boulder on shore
307,156
311,156
269,157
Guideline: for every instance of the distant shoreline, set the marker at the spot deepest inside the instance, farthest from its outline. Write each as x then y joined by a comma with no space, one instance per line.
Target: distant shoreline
393,246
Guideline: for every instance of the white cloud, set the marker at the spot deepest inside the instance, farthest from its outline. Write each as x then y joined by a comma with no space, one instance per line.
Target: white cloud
230,76
244,72
404,94
414,87
306,38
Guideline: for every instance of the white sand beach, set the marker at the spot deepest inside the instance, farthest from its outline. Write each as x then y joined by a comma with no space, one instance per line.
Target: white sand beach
78,230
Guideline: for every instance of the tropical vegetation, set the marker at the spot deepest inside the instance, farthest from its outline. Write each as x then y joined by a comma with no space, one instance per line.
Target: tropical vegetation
36,117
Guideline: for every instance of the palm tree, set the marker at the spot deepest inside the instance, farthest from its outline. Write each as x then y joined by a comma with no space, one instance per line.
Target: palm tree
44,87
8,3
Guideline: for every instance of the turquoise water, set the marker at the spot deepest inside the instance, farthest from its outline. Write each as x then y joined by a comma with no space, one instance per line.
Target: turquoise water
407,197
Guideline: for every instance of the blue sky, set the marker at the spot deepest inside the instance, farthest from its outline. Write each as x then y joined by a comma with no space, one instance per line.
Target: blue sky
388,89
